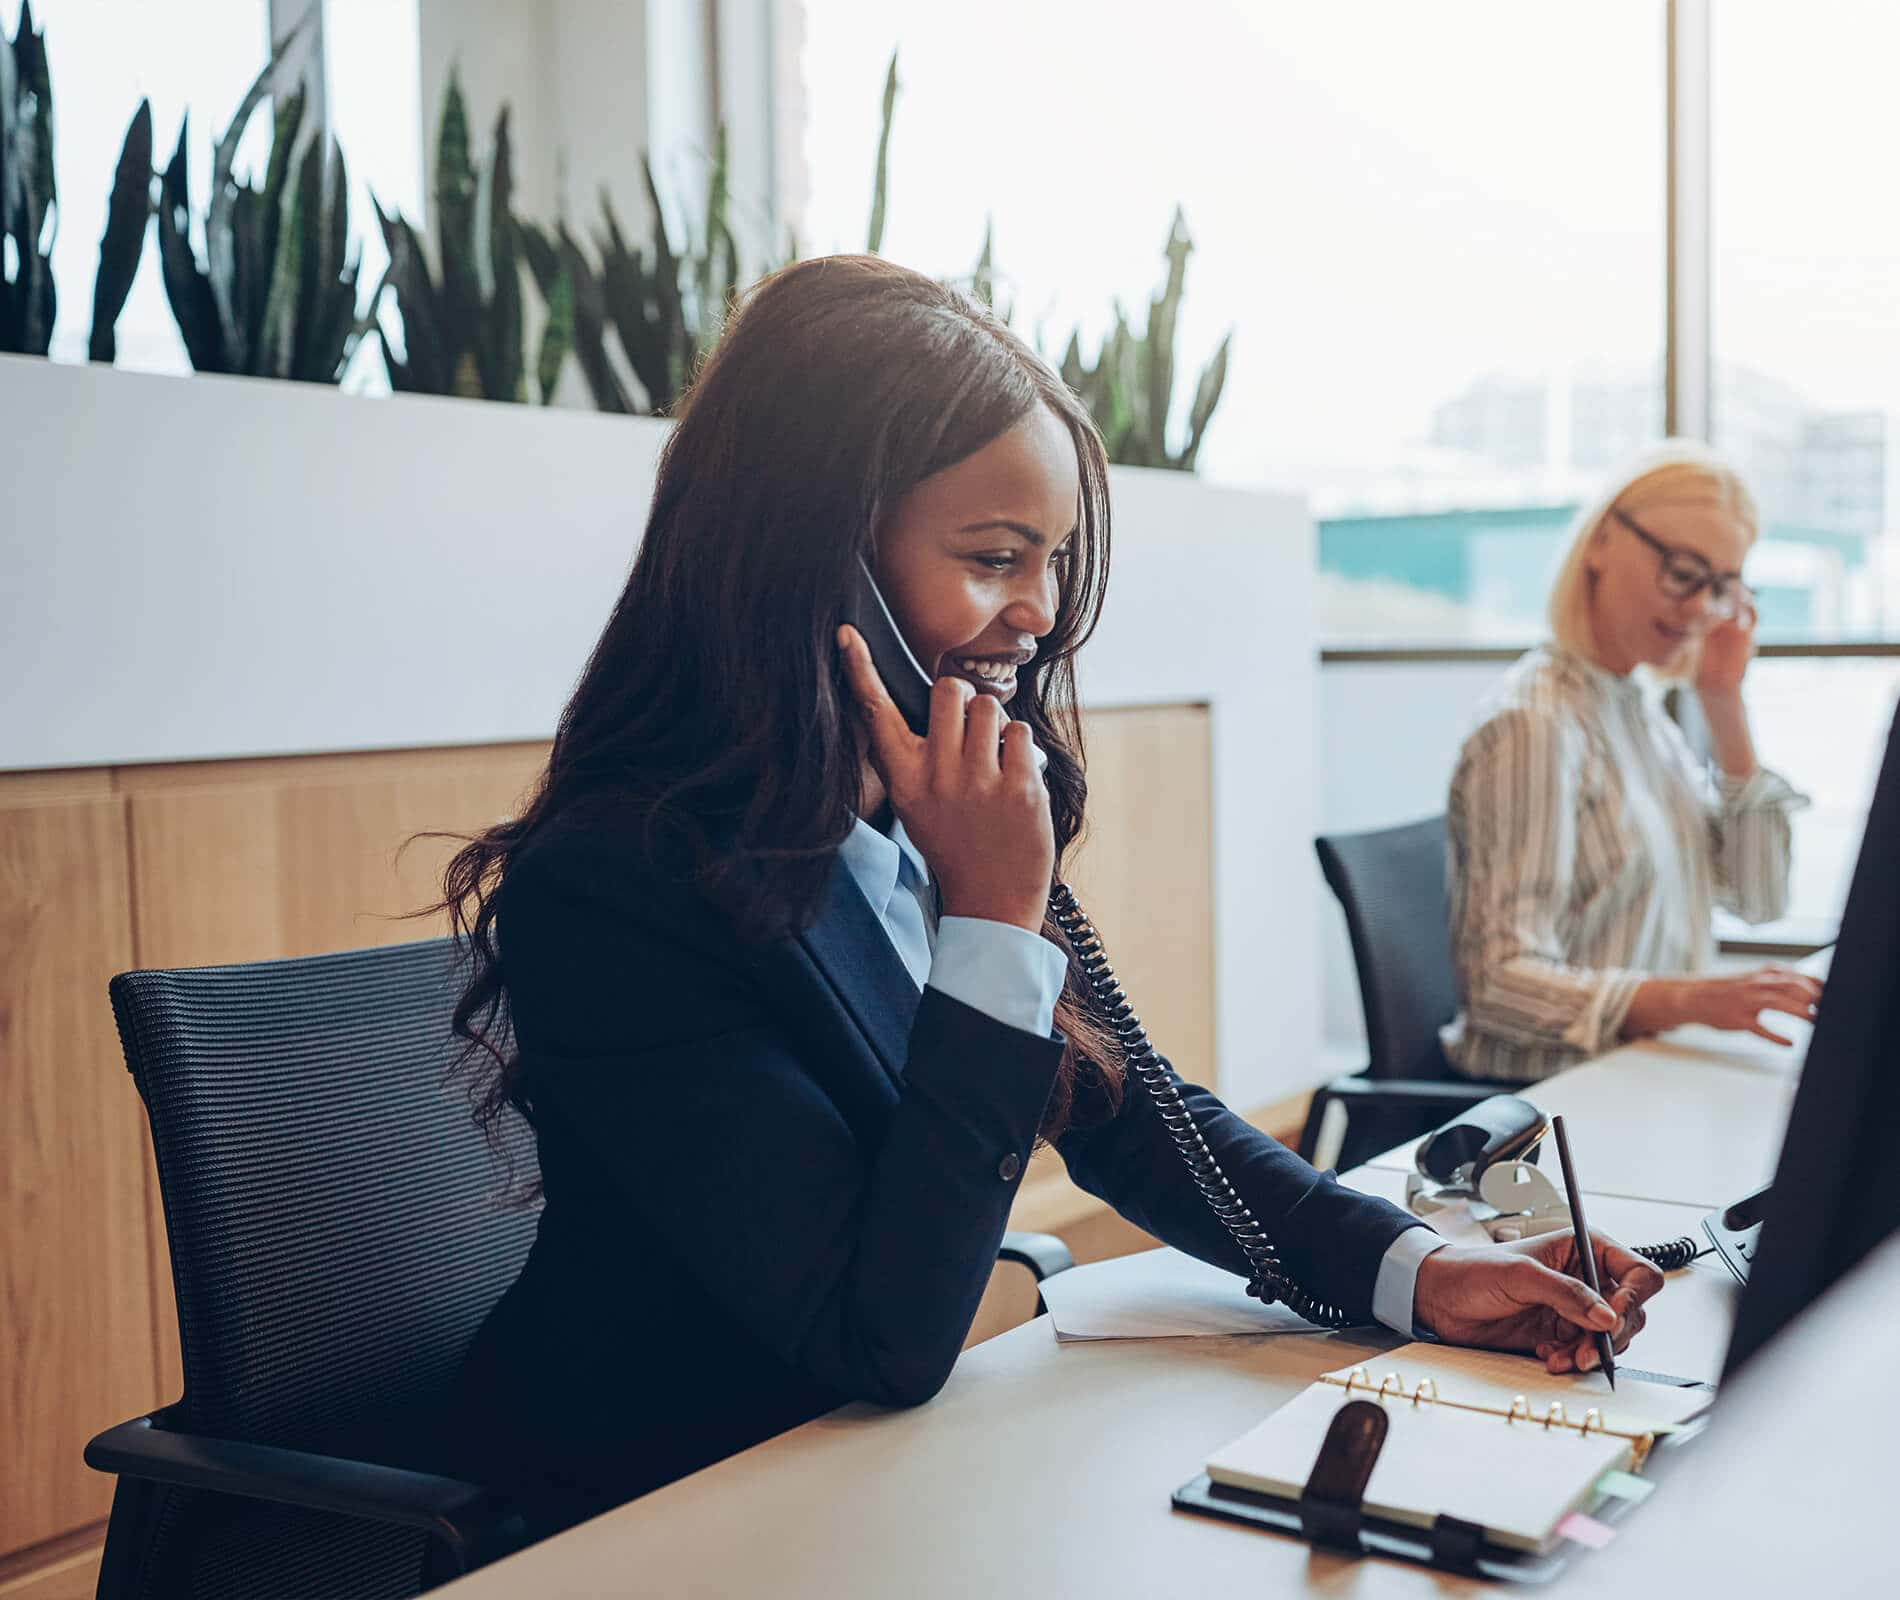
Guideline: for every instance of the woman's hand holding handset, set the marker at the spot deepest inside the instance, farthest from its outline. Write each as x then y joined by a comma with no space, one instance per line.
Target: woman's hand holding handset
970,793
1733,1000
1726,651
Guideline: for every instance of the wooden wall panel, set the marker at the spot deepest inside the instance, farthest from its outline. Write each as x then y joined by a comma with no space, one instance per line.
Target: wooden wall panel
1145,871
76,1268
254,860
257,860
1145,875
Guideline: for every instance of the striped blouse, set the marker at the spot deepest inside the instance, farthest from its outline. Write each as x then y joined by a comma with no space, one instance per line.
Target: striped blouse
1588,847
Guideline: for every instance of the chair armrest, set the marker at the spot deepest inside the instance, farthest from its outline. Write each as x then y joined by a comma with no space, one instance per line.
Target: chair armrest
1042,1253
474,1524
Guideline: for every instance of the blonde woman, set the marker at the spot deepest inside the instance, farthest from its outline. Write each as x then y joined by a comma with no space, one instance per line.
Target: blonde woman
1588,844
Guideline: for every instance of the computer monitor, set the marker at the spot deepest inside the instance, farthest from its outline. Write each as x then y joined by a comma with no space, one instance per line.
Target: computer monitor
1837,1186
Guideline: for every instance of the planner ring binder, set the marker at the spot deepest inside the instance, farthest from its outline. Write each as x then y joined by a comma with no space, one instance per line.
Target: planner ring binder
1330,1515
1448,1467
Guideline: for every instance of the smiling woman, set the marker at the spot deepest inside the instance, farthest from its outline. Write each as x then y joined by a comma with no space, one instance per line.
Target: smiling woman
974,594
1589,846
773,973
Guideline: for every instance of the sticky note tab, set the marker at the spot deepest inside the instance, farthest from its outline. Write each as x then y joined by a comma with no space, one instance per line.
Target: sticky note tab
1585,1530
1625,1486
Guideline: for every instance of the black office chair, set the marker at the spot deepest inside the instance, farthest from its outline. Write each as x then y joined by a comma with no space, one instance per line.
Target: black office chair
337,1234
338,1231
1391,885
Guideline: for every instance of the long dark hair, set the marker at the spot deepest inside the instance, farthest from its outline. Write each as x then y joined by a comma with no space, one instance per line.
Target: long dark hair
713,712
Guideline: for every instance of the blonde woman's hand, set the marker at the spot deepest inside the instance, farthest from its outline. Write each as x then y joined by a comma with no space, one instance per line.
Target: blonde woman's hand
969,794
1734,1001
1727,649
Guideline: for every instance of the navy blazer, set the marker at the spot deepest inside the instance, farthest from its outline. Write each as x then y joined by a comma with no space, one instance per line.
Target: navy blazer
776,1178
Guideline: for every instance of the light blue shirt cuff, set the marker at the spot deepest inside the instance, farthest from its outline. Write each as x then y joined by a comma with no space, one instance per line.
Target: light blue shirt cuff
1396,1287
1005,972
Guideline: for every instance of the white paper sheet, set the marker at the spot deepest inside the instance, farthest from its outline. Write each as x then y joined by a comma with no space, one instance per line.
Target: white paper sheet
1158,1294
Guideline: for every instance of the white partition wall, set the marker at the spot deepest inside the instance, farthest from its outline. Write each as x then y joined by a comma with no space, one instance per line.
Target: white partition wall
203,568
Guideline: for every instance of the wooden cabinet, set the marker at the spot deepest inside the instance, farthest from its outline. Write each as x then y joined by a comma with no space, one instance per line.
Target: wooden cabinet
112,868
76,1312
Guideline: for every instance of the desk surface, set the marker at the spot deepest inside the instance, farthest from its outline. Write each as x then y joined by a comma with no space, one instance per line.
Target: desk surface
1694,1119
1689,1322
1037,1458
1050,1465
1791,1491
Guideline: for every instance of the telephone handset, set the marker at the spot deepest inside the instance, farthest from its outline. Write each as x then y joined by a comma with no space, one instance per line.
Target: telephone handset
903,674
909,687
1485,1160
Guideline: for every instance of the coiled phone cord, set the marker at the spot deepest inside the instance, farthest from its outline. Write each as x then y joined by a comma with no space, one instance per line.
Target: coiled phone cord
1270,1281
1668,1257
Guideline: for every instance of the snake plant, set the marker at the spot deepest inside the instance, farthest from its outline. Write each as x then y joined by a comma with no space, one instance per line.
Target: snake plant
1129,388
665,307
122,245
463,331
29,198
276,295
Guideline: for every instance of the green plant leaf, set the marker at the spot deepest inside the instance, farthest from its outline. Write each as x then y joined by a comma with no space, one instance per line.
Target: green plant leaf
427,364
544,260
497,351
276,342
455,197
881,174
286,125
1207,395
669,307
29,202
590,325
557,337
1072,371
33,76
250,278
334,325
717,271
188,290
983,277
239,301
1163,313
122,245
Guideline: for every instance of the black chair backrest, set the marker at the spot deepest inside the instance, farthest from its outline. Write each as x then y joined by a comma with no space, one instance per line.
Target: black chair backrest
1391,885
339,1227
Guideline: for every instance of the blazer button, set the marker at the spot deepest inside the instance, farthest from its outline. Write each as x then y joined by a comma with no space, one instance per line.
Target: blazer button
1009,1166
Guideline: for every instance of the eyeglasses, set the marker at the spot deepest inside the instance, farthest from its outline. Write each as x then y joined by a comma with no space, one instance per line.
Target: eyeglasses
1682,574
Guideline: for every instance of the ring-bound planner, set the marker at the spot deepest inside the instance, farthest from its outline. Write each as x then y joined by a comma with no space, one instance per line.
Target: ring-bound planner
1483,1455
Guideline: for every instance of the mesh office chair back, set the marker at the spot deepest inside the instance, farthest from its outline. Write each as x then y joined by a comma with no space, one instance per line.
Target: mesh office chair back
1391,885
338,1230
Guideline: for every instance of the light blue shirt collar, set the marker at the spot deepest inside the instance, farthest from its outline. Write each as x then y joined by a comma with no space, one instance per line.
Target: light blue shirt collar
878,862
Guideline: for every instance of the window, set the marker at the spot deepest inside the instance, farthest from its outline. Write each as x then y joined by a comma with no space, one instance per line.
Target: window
1806,322
1446,282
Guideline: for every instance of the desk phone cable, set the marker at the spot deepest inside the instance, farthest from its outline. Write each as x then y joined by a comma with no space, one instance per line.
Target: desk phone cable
1270,1280
1675,1254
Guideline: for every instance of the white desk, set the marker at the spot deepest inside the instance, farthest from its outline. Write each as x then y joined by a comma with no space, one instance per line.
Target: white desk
1694,1119
1044,1467
1689,1322
1791,1492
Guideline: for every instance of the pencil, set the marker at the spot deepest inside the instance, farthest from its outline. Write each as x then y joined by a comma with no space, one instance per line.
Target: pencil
1585,1254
